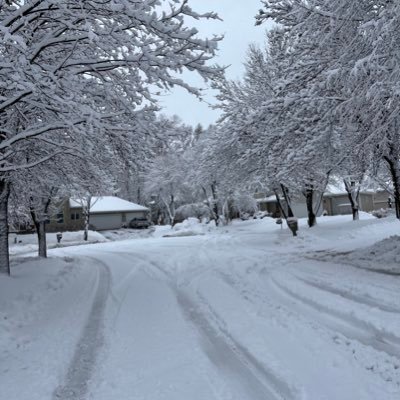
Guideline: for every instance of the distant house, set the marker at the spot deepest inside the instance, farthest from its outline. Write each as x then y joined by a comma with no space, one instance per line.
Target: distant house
267,203
270,205
339,203
106,212
335,201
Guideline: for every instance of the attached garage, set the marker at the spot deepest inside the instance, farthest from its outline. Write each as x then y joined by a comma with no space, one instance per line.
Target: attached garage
101,222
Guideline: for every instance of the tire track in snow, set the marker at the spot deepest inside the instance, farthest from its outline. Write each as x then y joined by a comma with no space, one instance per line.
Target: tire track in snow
75,386
247,378
348,295
250,379
334,327
349,326
340,258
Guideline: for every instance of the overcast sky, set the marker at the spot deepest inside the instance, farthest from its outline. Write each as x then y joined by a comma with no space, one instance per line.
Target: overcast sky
239,30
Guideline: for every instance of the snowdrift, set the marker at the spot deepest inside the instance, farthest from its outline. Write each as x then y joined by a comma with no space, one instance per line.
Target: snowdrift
383,256
190,227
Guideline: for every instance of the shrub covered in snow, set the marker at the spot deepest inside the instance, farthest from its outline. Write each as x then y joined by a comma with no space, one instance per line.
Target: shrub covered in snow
194,210
245,205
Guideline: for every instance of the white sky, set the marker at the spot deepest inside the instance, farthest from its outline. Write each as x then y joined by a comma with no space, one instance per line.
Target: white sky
239,30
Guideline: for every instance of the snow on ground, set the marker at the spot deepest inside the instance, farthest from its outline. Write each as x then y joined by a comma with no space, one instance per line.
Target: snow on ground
386,251
27,243
128,234
243,312
189,227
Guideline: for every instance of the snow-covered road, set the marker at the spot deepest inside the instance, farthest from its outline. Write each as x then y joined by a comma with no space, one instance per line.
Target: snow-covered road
246,313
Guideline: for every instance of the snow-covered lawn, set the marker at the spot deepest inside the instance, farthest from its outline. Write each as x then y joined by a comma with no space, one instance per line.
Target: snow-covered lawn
27,243
239,312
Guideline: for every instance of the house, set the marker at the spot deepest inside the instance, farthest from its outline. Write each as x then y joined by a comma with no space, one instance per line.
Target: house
383,199
267,203
339,203
270,205
106,212
335,201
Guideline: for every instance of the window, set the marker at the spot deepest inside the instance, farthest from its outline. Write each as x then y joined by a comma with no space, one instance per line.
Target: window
75,216
60,218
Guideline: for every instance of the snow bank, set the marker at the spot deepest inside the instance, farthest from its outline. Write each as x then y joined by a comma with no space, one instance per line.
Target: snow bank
382,256
190,227
128,234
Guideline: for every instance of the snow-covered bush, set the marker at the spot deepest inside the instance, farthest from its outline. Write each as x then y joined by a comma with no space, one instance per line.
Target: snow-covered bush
245,205
194,210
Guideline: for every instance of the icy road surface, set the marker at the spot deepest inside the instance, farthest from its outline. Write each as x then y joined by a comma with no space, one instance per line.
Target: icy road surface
245,313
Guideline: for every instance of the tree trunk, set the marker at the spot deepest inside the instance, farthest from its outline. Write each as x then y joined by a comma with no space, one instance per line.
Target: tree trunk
41,234
278,200
395,173
286,196
86,226
209,205
215,202
312,219
289,217
40,227
172,208
353,193
4,251
39,220
86,212
171,216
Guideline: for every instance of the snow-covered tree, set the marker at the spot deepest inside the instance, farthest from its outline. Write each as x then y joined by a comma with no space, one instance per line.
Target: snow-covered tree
346,57
76,66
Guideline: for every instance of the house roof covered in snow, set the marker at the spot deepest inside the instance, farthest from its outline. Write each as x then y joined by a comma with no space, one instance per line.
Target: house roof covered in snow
338,189
269,199
108,204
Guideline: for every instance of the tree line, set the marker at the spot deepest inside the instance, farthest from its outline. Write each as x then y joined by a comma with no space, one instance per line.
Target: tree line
318,102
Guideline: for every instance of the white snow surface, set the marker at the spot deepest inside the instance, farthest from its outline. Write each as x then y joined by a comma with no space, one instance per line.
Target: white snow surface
103,204
387,251
28,243
240,312
189,227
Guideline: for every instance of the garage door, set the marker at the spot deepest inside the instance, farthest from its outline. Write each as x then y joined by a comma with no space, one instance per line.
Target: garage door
105,221
137,214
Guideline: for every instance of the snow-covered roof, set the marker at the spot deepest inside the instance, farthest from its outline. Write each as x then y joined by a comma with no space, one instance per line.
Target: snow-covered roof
106,204
338,189
269,199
